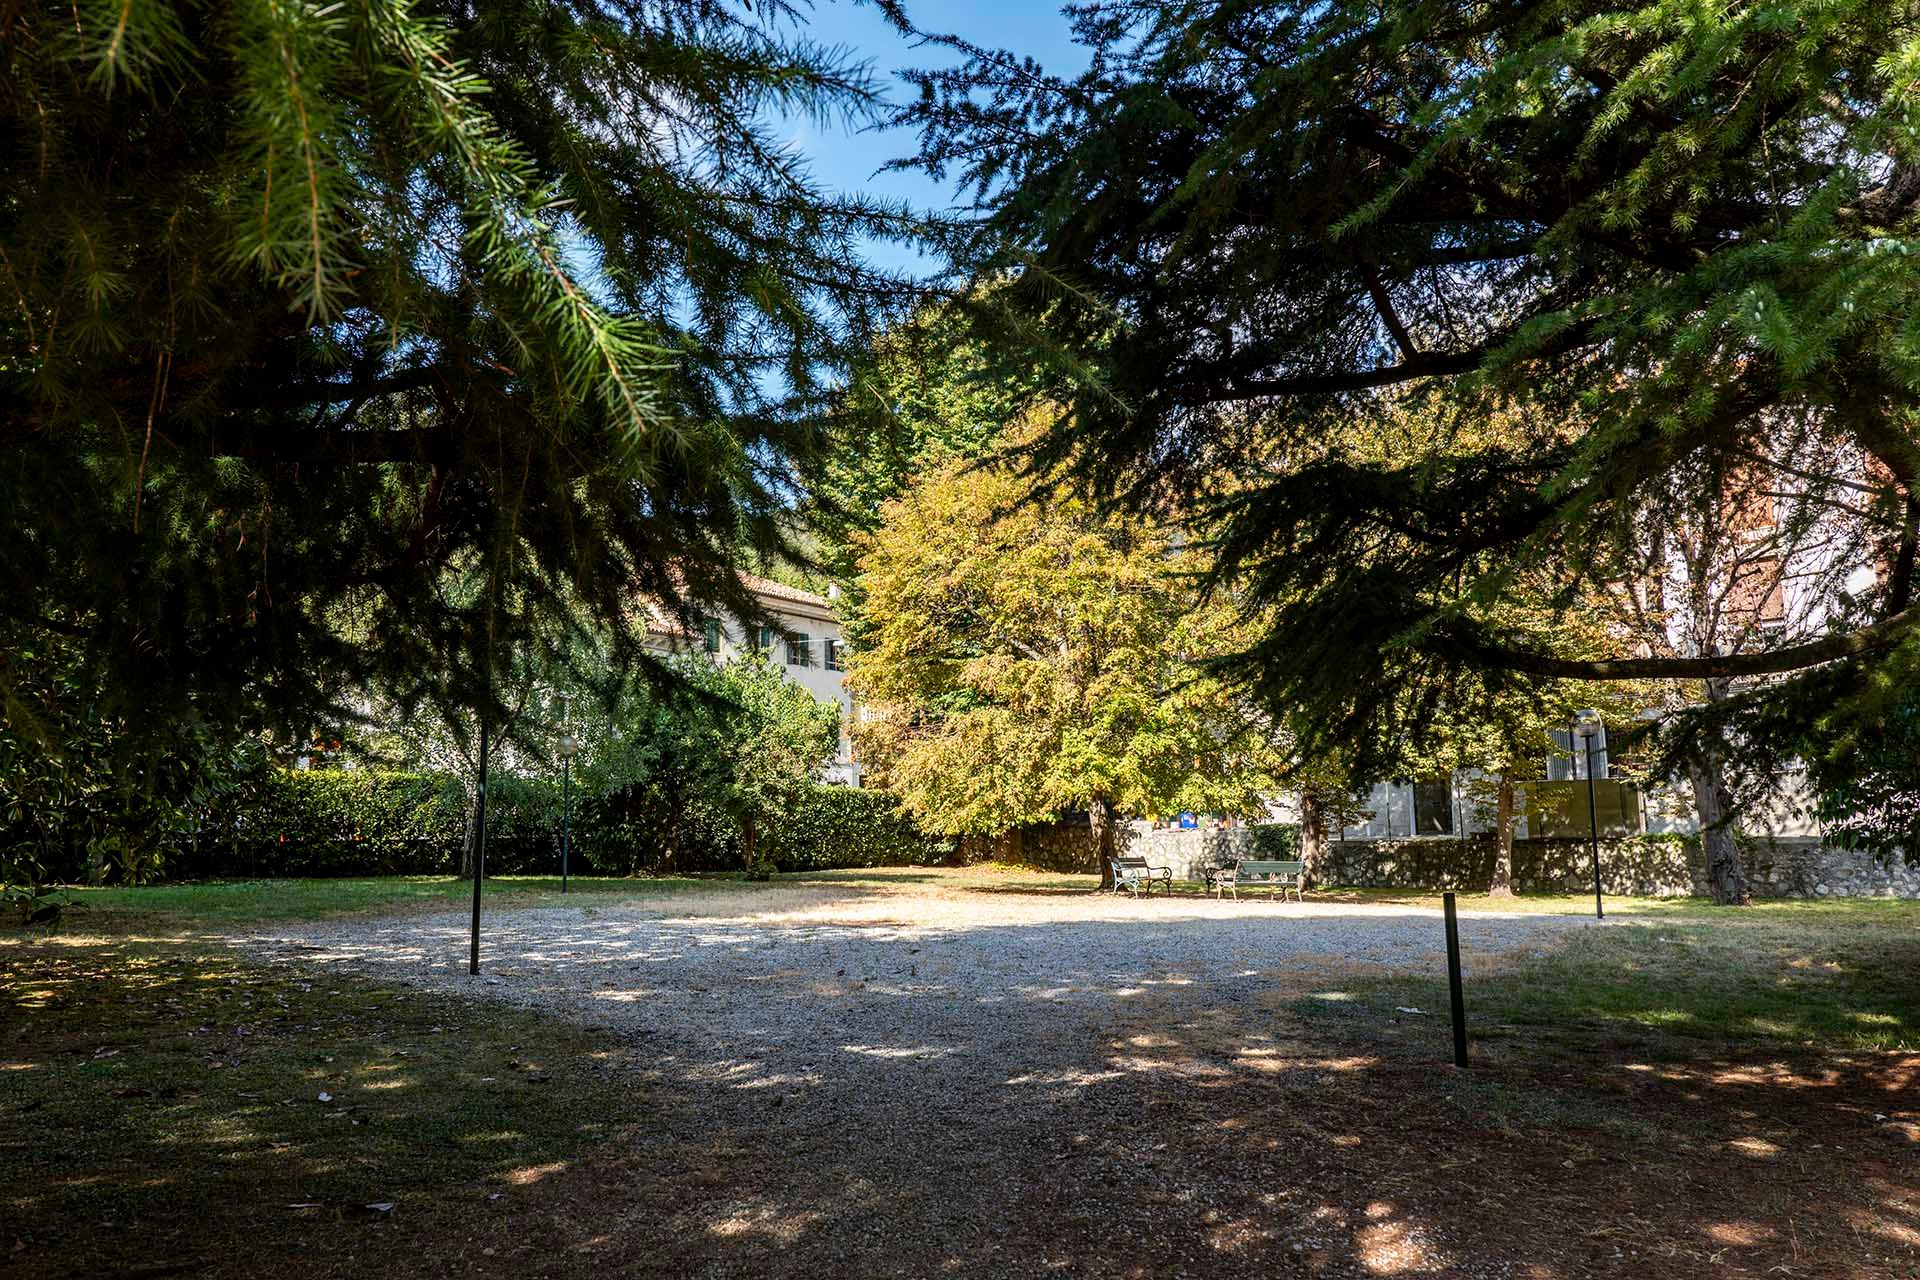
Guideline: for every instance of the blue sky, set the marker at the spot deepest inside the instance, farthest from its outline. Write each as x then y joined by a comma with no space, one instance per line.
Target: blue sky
846,161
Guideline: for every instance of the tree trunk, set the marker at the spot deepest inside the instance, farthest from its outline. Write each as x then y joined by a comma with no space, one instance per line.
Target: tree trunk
473,831
1012,848
669,860
1726,873
1313,835
1100,816
749,837
1502,885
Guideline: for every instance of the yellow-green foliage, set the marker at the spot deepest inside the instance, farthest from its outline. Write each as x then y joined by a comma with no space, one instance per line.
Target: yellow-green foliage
1026,653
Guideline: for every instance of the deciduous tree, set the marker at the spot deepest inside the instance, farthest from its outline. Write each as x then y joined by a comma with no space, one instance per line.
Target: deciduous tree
1021,653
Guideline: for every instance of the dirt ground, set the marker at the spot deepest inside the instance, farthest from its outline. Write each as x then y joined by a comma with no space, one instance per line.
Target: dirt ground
892,1085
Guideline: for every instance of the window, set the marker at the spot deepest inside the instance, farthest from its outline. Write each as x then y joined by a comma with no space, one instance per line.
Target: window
800,650
711,628
833,655
1433,807
1568,763
763,639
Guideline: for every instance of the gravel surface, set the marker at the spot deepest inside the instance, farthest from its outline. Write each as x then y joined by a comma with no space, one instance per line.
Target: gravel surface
784,979
876,1073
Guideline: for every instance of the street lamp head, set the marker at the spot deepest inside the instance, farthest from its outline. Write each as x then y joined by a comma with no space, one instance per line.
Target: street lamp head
1586,724
569,745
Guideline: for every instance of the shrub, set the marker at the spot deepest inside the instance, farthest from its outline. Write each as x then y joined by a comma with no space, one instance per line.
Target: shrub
837,827
378,822
364,822
1279,841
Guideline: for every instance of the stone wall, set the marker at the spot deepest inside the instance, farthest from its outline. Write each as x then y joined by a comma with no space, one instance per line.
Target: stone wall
1643,866
1187,852
1063,846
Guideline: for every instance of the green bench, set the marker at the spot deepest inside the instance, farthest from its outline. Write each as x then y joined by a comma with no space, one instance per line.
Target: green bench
1136,877
1252,873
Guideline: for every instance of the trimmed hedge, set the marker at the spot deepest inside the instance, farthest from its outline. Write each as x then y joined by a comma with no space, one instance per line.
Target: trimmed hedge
378,822
842,827
358,823
368,822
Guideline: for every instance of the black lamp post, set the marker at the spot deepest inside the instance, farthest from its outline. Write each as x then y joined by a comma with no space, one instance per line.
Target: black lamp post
1586,727
568,746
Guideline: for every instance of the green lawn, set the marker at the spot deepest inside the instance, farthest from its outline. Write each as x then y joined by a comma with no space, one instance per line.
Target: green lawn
1677,975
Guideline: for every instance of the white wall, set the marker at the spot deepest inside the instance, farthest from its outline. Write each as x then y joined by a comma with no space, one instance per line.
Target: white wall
818,625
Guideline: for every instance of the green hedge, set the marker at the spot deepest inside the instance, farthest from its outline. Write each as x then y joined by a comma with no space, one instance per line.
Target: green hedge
363,822
839,827
1279,841
368,822
377,822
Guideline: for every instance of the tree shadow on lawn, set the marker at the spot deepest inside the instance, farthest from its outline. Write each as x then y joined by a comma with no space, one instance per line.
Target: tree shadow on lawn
858,1105
212,911
178,1110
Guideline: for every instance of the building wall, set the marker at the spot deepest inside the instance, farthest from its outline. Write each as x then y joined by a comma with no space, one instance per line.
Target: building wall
804,661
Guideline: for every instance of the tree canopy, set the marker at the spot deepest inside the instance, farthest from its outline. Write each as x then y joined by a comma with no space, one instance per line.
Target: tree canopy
1023,653
1661,241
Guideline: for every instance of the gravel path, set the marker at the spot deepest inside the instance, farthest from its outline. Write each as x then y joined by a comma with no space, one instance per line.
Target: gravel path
884,1067
832,988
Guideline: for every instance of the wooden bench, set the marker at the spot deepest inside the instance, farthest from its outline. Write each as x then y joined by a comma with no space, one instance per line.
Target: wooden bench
1253,873
1136,877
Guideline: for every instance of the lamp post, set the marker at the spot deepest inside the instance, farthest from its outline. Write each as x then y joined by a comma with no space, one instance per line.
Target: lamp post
568,746
1586,727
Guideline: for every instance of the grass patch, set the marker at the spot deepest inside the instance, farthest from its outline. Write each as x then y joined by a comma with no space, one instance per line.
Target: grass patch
1834,976
200,1097
1887,912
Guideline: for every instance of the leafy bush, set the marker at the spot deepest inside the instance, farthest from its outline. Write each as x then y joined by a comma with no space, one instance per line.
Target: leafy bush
835,827
1279,841
83,796
320,823
377,822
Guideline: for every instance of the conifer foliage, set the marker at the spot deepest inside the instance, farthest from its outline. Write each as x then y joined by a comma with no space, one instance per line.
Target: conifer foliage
327,328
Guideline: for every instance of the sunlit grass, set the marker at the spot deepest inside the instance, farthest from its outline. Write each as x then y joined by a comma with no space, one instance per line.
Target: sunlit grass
1824,975
214,906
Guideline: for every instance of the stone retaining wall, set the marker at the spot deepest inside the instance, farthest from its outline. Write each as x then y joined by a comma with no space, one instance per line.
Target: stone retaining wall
1057,847
1644,866
1188,851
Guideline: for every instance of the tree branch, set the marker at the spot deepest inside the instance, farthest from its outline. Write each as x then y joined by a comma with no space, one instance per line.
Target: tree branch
1423,365
274,442
1845,644
1388,316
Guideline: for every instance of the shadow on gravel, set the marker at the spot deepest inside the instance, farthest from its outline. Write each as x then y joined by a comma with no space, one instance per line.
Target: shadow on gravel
1224,1096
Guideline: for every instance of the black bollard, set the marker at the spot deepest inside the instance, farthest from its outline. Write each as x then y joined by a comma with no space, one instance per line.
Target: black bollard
1453,985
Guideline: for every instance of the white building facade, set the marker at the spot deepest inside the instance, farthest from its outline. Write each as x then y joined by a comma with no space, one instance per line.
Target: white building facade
803,639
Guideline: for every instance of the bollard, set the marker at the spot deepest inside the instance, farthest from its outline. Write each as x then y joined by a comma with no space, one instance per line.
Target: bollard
1453,985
